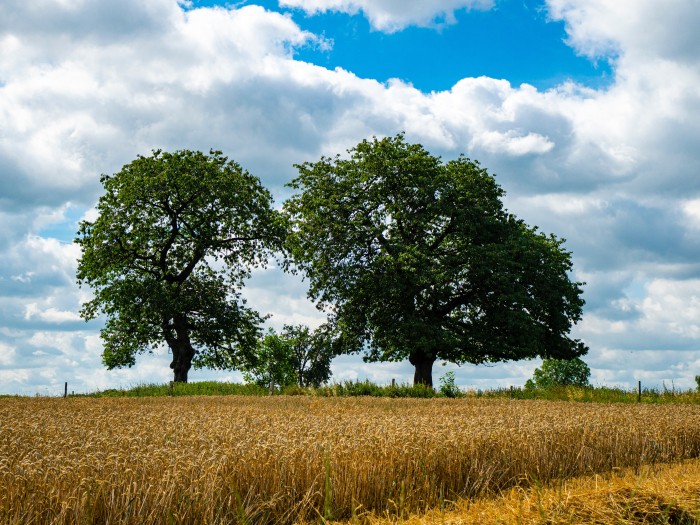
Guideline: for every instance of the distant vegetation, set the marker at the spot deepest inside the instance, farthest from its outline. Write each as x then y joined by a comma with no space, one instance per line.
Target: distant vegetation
597,394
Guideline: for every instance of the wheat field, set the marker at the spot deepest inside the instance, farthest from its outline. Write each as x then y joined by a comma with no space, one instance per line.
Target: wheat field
232,459
652,494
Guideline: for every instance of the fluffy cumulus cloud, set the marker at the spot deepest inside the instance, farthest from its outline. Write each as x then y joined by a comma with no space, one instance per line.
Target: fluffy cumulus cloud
394,15
85,88
630,28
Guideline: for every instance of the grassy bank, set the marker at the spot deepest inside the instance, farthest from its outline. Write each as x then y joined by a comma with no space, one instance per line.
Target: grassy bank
365,388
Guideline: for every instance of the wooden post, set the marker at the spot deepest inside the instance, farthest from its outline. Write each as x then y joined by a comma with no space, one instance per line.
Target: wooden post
170,388
65,389
272,388
639,391
393,383
511,391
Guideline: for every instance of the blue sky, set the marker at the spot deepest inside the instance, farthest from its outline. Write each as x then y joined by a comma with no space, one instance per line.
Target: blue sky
516,40
584,109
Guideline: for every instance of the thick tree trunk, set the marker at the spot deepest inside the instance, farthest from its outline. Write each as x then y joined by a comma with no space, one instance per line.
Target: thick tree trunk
182,349
181,364
424,368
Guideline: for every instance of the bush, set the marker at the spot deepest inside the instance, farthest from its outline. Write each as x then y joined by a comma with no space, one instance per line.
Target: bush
448,387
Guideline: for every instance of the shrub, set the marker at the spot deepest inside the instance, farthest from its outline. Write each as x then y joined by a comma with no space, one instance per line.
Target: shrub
448,387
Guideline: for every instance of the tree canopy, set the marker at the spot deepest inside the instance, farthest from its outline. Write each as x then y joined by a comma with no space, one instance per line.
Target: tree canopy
296,356
176,235
417,259
560,372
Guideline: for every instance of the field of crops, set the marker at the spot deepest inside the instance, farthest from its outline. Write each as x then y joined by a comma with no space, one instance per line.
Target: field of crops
282,459
667,494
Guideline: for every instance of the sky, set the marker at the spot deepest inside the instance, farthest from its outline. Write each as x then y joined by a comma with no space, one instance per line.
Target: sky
586,111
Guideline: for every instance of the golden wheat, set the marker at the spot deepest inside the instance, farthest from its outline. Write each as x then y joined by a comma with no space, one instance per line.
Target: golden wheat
283,459
652,494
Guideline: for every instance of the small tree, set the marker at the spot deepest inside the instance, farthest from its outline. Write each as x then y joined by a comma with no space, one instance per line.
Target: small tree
295,356
560,372
312,353
176,235
271,363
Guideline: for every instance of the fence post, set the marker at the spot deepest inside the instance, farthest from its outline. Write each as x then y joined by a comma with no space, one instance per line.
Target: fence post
639,391
170,388
65,389
393,383
272,388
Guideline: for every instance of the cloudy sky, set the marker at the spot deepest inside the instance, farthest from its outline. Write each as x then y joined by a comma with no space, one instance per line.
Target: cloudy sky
587,111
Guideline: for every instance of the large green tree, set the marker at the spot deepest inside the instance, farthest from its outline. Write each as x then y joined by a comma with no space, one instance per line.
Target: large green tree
417,259
175,237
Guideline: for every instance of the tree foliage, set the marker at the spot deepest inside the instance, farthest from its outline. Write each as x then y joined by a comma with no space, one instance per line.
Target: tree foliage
176,235
560,372
295,356
417,259
271,364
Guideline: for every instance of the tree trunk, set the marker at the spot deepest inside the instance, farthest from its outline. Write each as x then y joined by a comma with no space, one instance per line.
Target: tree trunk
181,365
424,368
182,349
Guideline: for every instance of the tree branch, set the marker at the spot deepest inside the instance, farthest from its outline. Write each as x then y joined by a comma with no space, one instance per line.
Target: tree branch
462,299
438,240
174,231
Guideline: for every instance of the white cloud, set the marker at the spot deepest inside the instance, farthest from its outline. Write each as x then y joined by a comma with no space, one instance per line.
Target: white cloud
511,143
663,319
24,278
7,355
394,15
640,28
283,297
57,257
14,380
49,315
86,89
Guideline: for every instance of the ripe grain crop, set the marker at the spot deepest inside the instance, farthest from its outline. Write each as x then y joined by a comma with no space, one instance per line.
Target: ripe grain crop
652,494
282,459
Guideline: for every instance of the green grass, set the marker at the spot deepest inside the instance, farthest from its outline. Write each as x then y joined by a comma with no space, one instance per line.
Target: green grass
598,394
591,394
365,388
202,388
214,388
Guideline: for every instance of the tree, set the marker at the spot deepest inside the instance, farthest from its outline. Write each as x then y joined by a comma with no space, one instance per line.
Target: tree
271,364
296,356
560,372
177,233
312,353
417,259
